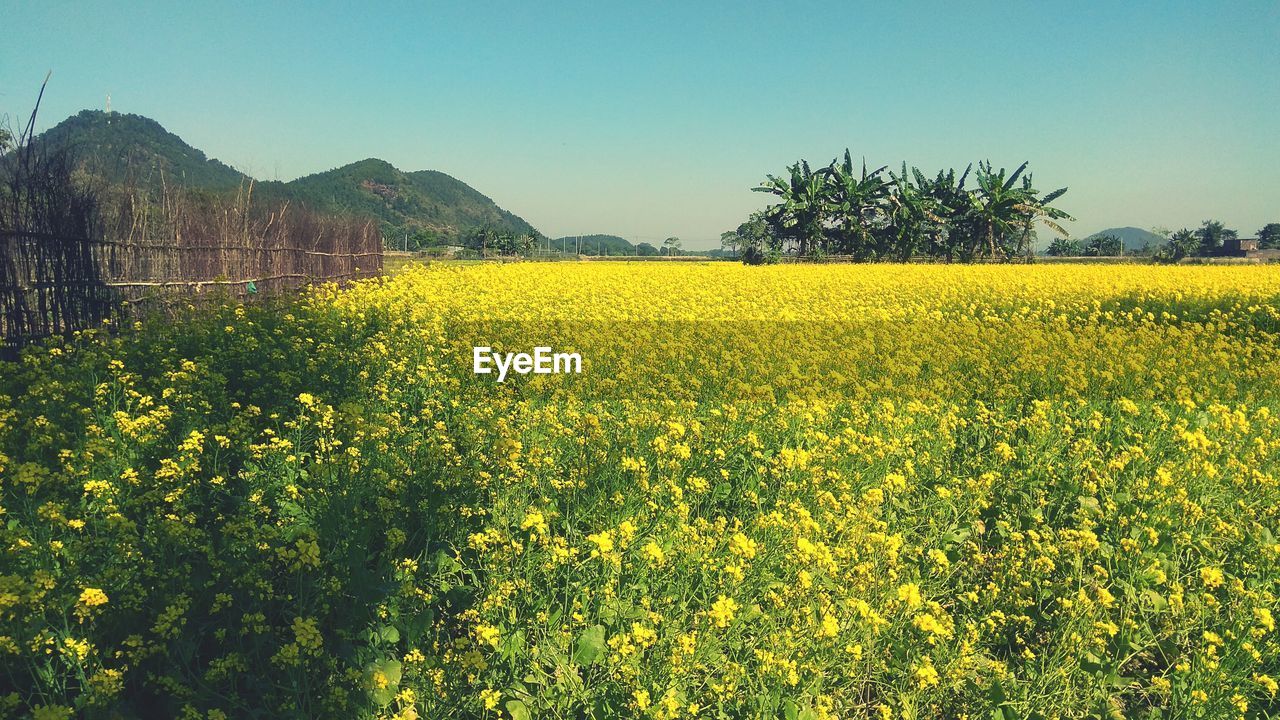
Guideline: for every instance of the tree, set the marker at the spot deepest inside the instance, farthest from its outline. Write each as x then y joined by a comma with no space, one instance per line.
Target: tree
1038,209
953,204
801,212
1007,213
510,243
855,203
644,249
1183,243
757,232
672,245
1065,247
483,239
730,242
6,140
1104,246
912,224
1269,236
1213,235
859,212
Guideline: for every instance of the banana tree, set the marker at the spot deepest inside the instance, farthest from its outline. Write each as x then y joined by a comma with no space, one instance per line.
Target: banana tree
913,223
1037,209
803,207
858,203
1005,211
954,205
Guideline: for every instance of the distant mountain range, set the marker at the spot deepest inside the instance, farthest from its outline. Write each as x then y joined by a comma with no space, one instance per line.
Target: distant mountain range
1134,239
125,148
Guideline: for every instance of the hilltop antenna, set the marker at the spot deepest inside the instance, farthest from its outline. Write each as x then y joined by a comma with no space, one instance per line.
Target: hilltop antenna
108,103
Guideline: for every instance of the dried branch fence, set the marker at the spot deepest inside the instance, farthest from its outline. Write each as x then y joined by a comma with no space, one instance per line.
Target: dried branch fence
135,252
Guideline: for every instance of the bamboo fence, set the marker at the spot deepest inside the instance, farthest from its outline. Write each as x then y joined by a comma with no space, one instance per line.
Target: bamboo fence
146,253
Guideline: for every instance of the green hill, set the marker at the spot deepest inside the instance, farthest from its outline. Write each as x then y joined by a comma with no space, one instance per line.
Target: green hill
120,147
132,148
425,200
596,244
1134,239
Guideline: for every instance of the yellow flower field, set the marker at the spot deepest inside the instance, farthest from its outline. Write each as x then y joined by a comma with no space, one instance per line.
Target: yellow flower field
874,491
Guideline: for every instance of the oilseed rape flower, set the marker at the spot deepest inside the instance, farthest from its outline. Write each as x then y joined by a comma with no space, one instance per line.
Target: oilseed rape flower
909,594
816,491
743,546
722,611
654,553
603,542
92,597
1211,577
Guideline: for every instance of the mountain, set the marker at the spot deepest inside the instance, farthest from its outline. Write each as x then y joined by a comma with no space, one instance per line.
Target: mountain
135,149
596,244
1134,238
406,202
120,147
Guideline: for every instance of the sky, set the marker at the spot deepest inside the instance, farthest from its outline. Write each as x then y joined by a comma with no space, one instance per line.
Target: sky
656,119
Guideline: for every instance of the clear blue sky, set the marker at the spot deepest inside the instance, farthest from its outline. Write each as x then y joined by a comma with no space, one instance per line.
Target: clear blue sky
653,119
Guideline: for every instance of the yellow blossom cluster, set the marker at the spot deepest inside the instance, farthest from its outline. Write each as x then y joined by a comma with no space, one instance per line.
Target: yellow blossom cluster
876,491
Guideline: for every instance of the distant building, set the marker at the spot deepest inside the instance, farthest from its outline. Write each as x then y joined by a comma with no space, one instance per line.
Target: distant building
1240,247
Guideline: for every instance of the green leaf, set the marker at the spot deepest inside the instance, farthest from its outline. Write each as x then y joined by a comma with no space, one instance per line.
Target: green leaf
790,711
383,692
518,710
590,645
996,693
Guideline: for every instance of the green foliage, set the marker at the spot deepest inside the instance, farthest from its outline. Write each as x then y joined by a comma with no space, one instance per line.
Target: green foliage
1181,244
1269,236
756,239
802,212
1065,247
487,241
1104,246
846,210
1134,238
1213,235
244,506
731,243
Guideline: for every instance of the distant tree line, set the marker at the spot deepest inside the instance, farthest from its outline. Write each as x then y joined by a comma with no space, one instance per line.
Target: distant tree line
1095,246
843,209
489,241
1206,241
